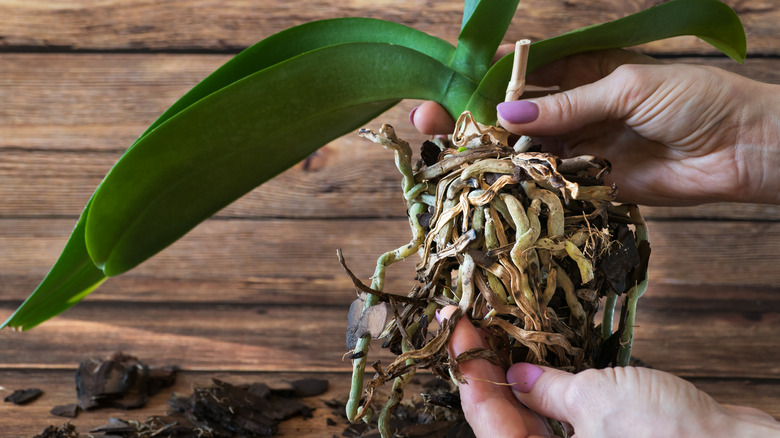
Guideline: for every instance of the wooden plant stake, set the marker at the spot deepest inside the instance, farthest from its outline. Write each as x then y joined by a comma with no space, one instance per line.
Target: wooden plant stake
517,84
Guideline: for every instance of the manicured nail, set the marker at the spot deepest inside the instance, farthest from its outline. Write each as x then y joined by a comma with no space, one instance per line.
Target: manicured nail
438,315
411,115
518,111
522,376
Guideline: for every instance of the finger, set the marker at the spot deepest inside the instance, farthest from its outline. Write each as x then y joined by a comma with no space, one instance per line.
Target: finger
431,118
490,408
594,90
563,112
541,389
584,68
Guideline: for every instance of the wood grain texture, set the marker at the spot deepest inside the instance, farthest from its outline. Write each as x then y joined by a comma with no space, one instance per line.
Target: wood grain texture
302,252
723,343
234,24
58,387
256,292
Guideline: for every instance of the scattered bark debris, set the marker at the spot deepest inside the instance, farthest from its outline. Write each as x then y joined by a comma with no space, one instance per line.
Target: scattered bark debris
68,411
220,410
244,410
117,427
224,410
421,416
24,396
121,381
67,430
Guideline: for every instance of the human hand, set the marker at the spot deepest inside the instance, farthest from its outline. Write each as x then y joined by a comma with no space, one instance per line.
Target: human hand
675,134
612,402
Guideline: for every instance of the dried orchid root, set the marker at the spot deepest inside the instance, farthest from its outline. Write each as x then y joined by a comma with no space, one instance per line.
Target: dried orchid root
525,244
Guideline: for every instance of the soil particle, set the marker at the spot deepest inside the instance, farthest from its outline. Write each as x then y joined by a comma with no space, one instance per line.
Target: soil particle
429,153
622,259
436,414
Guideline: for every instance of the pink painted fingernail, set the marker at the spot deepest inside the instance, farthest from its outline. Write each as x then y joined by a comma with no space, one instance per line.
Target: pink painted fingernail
438,315
411,115
522,376
518,111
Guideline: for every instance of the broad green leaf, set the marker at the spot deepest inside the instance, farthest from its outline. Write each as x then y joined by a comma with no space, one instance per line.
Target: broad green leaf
71,278
74,275
469,6
484,24
710,20
301,39
233,140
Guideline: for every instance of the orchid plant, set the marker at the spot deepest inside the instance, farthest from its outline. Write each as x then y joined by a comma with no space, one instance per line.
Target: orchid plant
320,80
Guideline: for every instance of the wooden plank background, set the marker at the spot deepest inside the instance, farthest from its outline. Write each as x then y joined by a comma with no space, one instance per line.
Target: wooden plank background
237,298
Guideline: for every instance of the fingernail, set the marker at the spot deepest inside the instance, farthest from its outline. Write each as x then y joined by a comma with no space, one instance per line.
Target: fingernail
438,315
411,115
518,111
522,376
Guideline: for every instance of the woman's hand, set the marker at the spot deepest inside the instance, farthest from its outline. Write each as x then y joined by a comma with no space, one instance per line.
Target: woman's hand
612,402
675,134
491,409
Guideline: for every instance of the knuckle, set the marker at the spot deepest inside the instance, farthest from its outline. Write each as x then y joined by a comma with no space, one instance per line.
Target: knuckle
587,391
564,104
630,72
576,394
629,83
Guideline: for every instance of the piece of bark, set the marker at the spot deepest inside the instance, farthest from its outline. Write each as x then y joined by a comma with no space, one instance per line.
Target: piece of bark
244,410
121,381
67,411
309,387
24,396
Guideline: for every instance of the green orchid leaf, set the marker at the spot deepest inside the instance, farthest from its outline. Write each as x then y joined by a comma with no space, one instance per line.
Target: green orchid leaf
469,6
484,25
301,39
71,278
710,20
231,141
74,275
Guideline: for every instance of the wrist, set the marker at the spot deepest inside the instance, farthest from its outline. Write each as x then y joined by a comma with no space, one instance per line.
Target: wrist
748,425
758,146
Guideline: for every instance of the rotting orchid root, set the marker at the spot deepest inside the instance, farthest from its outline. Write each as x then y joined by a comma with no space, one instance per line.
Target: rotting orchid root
524,243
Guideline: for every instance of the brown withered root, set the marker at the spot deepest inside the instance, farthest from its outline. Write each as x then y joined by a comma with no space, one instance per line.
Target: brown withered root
527,245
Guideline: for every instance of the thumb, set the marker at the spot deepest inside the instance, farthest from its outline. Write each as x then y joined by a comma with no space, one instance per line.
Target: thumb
623,398
543,390
562,112
586,396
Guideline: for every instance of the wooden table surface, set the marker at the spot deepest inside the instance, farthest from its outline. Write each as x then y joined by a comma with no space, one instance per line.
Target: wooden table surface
256,292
